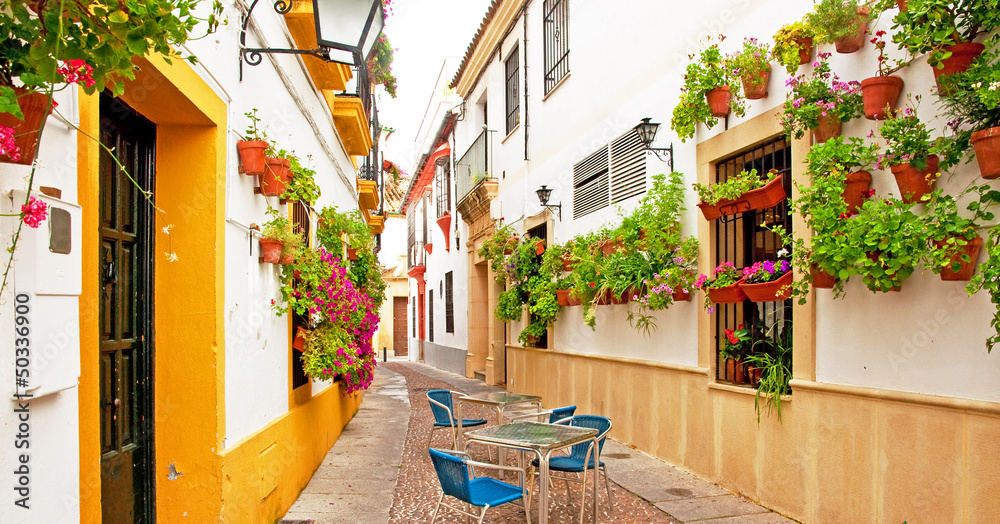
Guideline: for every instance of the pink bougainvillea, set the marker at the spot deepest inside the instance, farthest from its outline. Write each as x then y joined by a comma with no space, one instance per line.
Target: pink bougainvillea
34,212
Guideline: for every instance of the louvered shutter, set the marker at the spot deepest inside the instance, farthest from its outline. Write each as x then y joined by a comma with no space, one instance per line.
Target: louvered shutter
628,167
590,183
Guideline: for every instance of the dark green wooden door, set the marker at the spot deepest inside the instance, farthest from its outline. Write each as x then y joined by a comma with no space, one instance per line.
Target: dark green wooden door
126,316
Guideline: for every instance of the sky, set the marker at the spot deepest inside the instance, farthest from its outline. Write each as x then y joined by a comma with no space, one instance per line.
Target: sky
424,33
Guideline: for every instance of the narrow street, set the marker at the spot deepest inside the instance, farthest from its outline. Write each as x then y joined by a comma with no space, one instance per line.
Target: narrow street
379,470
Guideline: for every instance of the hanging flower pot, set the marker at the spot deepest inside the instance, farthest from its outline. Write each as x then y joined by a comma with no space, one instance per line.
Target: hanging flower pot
856,189
287,258
681,295
821,279
539,247
901,4
562,295
966,269
987,145
826,128
805,49
880,93
252,156
961,58
509,246
35,107
299,342
761,198
914,184
727,295
573,301
755,87
718,100
769,291
352,254
274,179
270,250
567,261
855,40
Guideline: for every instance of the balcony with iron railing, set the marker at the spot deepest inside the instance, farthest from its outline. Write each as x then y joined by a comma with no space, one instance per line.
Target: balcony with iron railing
473,167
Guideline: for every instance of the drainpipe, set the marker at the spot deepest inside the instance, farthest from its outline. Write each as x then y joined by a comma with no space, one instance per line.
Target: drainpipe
527,121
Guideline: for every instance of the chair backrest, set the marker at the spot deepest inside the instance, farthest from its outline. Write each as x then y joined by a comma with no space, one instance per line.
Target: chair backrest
561,413
453,474
443,396
601,424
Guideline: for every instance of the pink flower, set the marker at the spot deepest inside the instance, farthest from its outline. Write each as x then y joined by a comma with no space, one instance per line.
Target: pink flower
34,212
8,146
77,71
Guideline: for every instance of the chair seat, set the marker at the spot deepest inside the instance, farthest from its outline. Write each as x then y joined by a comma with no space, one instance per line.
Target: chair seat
567,464
485,490
466,422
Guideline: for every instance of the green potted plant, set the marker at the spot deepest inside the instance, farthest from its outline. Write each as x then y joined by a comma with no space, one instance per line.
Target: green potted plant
847,159
302,186
840,22
253,146
278,239
914,159
709,92
954,239
277,170
793,45
752,66
739,193
734,349
774,362
892,240
946,30
722,287
337,231
881,92
821,102
973,109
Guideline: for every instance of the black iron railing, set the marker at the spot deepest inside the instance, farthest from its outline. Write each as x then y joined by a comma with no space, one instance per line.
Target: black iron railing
472,168
556,35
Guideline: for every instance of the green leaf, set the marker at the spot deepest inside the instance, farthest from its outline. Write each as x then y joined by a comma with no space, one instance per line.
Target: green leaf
118,17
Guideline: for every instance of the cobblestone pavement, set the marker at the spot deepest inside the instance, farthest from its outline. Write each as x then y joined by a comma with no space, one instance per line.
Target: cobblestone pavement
379,470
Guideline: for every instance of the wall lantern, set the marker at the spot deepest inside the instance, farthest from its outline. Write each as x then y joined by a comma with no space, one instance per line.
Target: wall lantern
544,193
647,132
346,31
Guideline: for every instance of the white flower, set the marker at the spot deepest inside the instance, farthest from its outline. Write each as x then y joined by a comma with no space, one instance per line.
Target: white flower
167,228
783,252
171,257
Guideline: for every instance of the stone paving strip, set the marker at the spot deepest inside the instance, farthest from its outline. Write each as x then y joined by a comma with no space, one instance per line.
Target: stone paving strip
379,470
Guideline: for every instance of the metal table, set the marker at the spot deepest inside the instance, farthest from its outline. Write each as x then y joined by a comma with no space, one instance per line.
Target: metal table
542,439
499,400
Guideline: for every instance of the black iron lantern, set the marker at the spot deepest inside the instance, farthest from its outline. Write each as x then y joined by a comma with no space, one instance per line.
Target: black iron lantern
544,193
647,132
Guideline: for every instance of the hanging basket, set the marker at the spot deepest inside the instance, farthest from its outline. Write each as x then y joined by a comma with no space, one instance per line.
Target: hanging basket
966,269
719,100
727,295
914,184
880,94
35,107
769,291
856,189
986,142
252,156
270,250
761,198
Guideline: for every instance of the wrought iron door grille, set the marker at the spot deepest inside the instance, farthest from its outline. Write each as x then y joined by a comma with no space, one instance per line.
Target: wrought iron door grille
744,239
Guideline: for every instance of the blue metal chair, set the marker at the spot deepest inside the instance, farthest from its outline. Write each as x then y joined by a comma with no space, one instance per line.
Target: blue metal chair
457,476
581,458
441,407
556,416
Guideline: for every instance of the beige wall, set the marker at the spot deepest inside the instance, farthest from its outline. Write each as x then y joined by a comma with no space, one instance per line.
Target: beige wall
396,288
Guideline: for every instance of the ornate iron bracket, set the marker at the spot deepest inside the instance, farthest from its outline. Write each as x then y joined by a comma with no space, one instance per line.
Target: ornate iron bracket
252,55
665,154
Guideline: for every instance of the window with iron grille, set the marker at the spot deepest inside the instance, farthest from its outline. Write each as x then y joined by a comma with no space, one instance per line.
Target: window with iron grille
442,186
449,304
744,239
430,315
556,37
513,100
611,174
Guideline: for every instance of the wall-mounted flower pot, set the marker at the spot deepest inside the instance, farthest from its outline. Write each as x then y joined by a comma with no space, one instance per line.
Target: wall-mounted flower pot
826,128
609,247
562,295
769,291
275,177
510,245
681,295
719,100
252,156
901,5
855,40
287,258
986,142
805,49
966,269
567,261
270,250
755,87
352,254
444,222
573,301
913,183
299,342
961,58
539,247
761,198
607,297
727,295
880,94
35,107
821,279
856,189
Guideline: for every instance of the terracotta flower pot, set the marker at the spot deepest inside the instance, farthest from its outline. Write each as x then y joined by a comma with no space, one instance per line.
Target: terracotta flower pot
754,375
573,301
986,142
270,250
961,58
567,261
539,247
730,369
718,100
352,254
879,93
761,198
299,342
856,189
805,50
252,156
855,40
274,179
755,87
821,279
826,128
35,107
681,296
739,369
914,184
966,269
609,247
727,295
901,4
769,291
287,258
563,296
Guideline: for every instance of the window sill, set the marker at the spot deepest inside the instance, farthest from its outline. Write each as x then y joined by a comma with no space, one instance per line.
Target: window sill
512,131
557,86
741,390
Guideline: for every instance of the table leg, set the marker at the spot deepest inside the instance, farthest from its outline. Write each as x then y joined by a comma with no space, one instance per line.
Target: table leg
543,488
597,469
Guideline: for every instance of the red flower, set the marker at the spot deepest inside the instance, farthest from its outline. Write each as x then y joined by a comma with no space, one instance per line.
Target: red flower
34,212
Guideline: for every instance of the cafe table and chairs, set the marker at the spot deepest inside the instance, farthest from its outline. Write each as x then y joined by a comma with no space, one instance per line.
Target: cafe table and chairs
499,400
